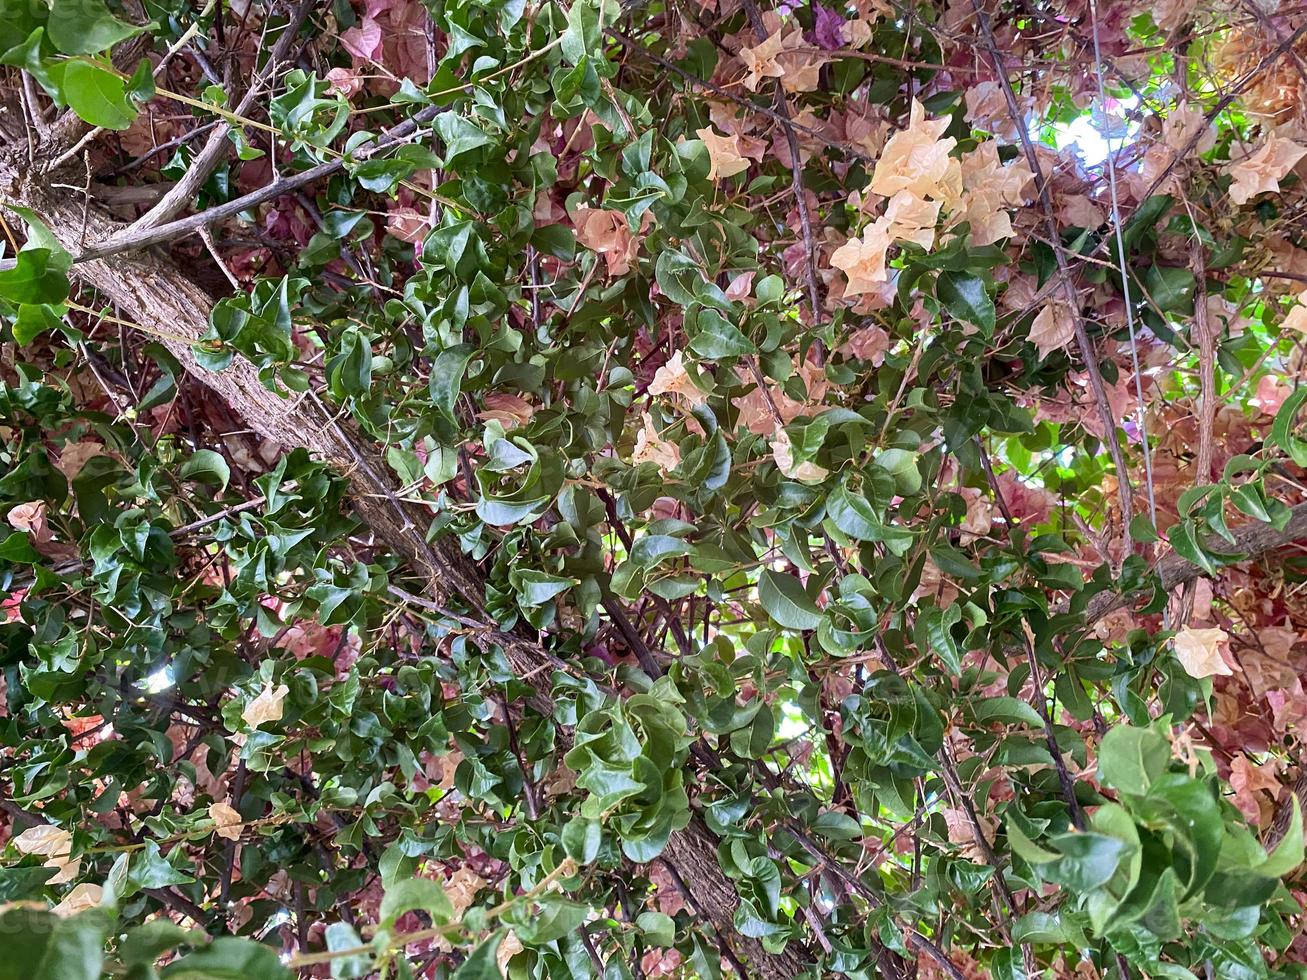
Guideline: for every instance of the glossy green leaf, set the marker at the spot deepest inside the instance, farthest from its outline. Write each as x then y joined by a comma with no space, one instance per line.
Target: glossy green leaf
785,601
85,27
480,963
1170,288
447,372
207,466
965,297
97,95
37,277
415,893
229,958
1288,853
1130,759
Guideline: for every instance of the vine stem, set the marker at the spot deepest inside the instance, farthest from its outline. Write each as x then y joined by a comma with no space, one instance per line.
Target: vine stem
1141,412
1063,272
786,119
1065,781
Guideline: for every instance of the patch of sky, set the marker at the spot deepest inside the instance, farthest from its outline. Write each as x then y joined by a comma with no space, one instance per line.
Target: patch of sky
1095,133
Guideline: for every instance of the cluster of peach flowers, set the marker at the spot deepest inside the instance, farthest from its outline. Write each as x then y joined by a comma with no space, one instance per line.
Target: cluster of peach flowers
921,178
783,55
1263,169
786,56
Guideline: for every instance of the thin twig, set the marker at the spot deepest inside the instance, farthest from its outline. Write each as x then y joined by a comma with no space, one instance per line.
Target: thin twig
229,859
215,148
528,786
129,240
962,800
1064,271
782,107
1064,779
1206,364
206,236
1141,410
635,46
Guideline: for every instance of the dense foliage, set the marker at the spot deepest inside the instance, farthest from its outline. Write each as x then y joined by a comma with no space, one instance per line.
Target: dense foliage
548,489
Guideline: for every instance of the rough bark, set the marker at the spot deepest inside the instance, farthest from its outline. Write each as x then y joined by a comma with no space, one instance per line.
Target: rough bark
1251,541
692,853
151,291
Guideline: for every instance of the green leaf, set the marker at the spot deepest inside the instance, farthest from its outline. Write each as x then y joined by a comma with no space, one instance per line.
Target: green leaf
536,588
17,884
836,826
853,514
1171,288
1170,971
1288,854
1025,847
678,275
1113,820
459,135
1145,216
1182,538
965,297
26,54
116,883
207,466
650,550
447,371
33,320
769,289
147,942
717,337
785,600
480,963
35,278
349,373
1088,860
85,27
935,629
151,869
1007,710
16,547
1039,927
1142,530
341,936
1190,809
581,39
1130,759
97,95
229,958
140,87
1282,429
903,465
35,945
415,893
659,928
582,838
39,235
556,240
555,918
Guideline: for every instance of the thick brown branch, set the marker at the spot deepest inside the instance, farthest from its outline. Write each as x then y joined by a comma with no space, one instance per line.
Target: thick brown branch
152,292
215,148
1251,541
133,239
